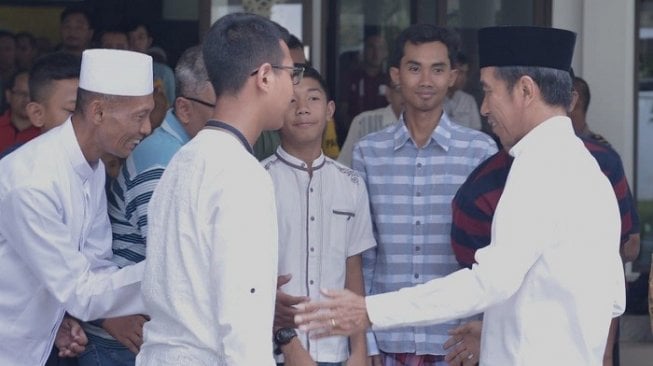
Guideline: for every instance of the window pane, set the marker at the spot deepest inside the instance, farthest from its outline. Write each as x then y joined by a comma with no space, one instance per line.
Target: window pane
361,65
468,16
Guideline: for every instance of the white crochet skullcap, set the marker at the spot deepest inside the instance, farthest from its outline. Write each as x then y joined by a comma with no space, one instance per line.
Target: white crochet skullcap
116,72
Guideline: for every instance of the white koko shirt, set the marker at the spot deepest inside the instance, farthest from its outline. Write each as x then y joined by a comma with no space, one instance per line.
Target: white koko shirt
323,220
55,246
551,279
210,279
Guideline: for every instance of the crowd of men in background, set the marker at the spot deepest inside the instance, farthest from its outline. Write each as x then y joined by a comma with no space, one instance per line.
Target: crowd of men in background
227,201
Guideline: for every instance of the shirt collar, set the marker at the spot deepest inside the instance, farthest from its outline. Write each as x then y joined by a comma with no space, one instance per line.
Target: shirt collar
296,163
74,152
173,126
549,130
441,135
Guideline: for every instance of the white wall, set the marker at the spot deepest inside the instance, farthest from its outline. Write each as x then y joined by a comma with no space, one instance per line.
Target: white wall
605,58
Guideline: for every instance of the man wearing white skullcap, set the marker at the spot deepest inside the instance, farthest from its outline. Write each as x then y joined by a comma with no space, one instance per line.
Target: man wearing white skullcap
55,237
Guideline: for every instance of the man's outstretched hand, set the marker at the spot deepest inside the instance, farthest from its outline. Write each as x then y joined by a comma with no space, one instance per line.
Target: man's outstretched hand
343,313
464,345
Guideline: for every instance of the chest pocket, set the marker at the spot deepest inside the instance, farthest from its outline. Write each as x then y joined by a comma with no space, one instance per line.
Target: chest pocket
341,221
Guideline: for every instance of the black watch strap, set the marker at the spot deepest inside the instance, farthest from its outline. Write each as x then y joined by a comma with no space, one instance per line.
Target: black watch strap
282,337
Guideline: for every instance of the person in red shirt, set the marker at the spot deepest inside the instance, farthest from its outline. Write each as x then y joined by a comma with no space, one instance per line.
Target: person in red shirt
15,126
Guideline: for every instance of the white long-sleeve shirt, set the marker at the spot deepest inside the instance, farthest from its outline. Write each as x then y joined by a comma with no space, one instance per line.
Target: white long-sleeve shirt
551,279
55,242
211,273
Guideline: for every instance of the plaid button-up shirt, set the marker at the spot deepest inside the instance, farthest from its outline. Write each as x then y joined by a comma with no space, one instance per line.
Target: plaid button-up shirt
411,189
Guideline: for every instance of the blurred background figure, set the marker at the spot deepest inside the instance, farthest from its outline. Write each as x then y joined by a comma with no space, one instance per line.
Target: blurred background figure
372,121
76,29
26,50
459,105
364,86
15,126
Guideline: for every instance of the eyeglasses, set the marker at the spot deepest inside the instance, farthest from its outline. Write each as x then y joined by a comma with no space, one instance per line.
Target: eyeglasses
296,72
210,105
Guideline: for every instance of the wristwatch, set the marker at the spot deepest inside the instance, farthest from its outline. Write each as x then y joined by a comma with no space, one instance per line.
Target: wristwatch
282,337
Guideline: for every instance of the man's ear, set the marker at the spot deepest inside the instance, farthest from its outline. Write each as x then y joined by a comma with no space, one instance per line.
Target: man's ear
452,77
183,110
394,75
527,88
331,109
35,114
97,111
574,100
263,76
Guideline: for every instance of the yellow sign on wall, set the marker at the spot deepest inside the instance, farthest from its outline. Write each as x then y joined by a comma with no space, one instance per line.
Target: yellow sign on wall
41,21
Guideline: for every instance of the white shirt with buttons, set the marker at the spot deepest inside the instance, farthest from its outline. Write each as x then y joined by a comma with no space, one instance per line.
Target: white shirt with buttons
324,218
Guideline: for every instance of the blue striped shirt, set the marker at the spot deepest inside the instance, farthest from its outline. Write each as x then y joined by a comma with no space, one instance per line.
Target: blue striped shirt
411,189
129,196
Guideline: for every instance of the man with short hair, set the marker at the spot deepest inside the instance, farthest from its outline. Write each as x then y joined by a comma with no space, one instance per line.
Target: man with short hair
324,225
460,105
114,38
55,238
412,169
578,114
53,82
117,340
557,206
268,141
26,50
15,126
140,40
365,84
76,29
211,268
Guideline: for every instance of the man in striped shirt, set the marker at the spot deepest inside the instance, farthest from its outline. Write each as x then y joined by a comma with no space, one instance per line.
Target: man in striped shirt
412,170
117,340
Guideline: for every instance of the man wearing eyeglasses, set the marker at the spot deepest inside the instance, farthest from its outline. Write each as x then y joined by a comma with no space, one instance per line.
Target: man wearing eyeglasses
211,271
117,340
15,126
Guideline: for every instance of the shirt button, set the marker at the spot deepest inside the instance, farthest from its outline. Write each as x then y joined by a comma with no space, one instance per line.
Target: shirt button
419,165
418,194
253,290
417,222
311,282
311,189
312,249
416,275
417,248
312,218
